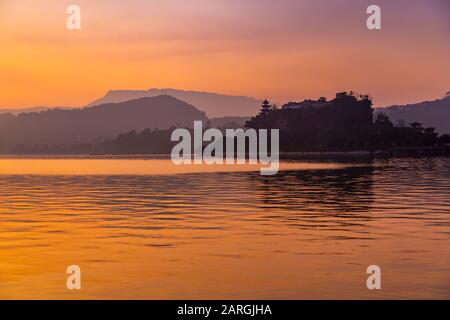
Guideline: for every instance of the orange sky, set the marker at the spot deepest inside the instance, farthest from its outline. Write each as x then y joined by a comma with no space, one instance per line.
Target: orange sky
282,50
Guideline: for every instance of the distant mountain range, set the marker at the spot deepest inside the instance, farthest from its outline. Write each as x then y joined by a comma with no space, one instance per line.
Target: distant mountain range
213,104
18,111
430,113
41,125
62,126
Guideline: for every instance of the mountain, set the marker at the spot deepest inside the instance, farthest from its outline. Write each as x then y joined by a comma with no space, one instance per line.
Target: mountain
18,111
62,126
430,113
215,105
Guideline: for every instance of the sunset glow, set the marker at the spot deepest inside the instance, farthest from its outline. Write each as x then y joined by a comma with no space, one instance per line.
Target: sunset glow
284,50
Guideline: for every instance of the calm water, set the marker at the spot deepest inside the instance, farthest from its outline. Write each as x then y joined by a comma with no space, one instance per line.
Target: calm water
143,229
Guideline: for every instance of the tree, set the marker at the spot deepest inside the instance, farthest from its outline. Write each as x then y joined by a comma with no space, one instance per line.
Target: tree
416,125
382,122
430,136
444,139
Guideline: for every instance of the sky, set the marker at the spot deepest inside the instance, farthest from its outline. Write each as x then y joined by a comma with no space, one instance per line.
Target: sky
281,50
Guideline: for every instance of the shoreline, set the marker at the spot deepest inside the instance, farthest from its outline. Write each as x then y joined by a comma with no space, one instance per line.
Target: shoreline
393,152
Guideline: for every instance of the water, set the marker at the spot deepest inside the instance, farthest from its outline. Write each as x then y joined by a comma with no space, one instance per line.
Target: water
144,229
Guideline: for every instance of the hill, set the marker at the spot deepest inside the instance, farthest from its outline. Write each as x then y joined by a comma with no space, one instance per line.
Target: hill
430,113
61,126
213,104
24,110
228,122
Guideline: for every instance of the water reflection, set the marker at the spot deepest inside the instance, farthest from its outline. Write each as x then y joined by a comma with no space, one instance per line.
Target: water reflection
350,188
318,199
300,234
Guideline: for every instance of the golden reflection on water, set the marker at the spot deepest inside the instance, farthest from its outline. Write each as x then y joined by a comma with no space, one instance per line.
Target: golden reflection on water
307,233
133,167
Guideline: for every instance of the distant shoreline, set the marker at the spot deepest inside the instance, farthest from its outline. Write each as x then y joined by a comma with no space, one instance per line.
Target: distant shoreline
393,152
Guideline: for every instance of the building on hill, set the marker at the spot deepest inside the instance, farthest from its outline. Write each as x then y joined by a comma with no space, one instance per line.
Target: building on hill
315,125
265,108
305,104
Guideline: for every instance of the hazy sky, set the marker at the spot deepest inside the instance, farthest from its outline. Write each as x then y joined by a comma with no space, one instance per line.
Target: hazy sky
279,49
